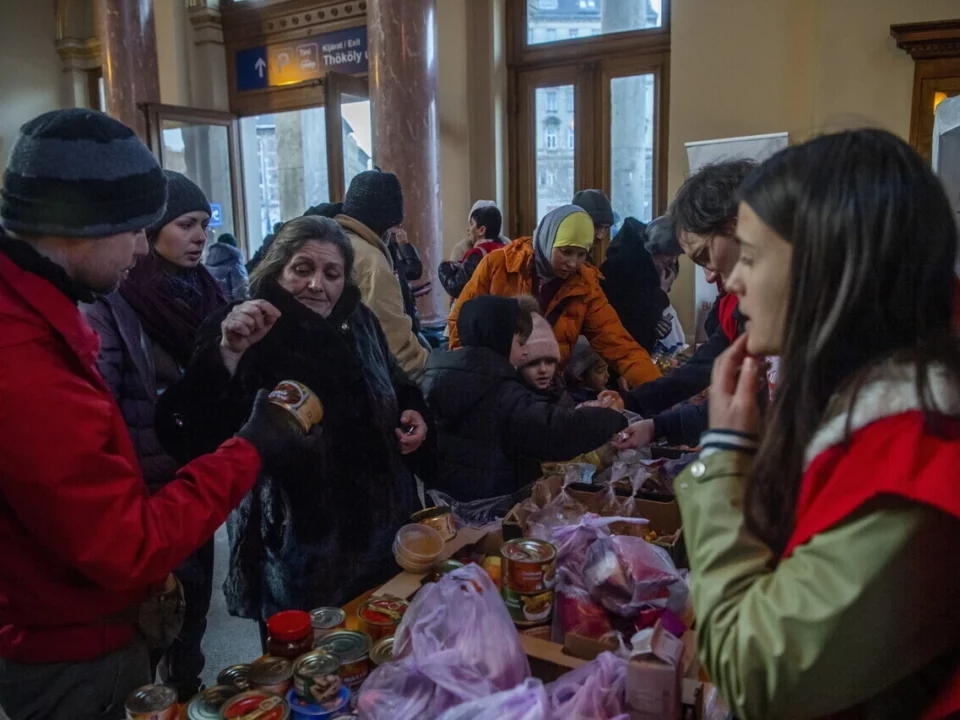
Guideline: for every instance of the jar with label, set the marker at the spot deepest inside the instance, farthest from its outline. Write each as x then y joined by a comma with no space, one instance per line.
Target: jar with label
289,634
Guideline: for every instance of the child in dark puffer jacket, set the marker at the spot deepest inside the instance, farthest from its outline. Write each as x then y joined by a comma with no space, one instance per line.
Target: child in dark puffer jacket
495,430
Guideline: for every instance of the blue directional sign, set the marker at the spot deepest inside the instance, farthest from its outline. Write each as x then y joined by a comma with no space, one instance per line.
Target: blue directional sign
216,215
297,61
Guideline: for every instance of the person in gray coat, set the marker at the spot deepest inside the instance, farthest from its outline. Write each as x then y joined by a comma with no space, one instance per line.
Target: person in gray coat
225,263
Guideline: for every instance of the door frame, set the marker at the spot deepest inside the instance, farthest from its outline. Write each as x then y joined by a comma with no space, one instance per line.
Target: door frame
335,86
157,113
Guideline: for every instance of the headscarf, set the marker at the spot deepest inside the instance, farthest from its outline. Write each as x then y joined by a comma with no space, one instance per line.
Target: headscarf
489,321
567,226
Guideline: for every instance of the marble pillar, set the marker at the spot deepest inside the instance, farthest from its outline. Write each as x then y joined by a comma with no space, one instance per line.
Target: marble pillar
128,42
403,88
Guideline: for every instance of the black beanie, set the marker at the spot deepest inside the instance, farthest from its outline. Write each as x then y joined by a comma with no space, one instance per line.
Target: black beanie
375,199
185,196
489,321
597,206
79,173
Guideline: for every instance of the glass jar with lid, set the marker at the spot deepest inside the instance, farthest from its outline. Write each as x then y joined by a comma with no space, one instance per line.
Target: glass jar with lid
289,634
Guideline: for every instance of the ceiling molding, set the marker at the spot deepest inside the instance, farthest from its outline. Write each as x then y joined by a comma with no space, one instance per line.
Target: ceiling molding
291,20
924,41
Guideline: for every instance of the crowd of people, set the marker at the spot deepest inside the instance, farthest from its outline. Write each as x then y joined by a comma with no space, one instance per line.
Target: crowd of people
136,358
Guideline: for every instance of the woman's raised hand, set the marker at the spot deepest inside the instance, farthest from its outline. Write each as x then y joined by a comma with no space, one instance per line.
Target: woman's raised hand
245,325
733,390
412,431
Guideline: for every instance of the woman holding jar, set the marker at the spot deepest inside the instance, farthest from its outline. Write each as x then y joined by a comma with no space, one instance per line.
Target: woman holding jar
319,532
147,329
822,540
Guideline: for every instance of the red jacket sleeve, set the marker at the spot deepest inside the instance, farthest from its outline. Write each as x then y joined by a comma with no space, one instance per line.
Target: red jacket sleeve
68,473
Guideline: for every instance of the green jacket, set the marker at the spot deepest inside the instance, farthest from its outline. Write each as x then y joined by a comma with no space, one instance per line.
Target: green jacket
853,617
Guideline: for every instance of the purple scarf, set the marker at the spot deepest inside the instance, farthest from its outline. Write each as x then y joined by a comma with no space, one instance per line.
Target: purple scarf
171,302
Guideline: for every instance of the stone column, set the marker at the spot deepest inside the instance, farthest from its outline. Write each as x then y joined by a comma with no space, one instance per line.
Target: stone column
128,42
403,88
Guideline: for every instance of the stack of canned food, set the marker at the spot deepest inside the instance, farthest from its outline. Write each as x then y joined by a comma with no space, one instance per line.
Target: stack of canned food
313,672
528,573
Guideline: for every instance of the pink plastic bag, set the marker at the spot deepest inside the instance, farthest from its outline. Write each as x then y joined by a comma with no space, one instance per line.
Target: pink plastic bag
595,691
527,701
456,643
626,574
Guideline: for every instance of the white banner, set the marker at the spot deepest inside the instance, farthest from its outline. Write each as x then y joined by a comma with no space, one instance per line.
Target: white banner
705,152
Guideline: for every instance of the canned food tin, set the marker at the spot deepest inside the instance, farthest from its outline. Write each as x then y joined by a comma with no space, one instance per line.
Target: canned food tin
301,405
353,651
382,652
255,705
206,705
380,617
271,674
440,519
316,677
528,609
529,566
325,620
236,675
330,708
152,702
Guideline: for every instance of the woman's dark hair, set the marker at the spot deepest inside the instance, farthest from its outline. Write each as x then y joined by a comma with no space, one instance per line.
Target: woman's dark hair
527,308
872,279
294,235
489,217
706,203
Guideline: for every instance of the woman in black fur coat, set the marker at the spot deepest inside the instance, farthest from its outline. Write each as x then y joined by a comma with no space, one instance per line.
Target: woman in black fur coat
319,532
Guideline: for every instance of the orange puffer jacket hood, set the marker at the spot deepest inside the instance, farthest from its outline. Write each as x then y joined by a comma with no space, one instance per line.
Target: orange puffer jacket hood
579,308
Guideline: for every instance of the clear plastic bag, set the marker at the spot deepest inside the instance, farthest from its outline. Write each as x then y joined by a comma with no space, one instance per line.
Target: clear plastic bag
455,644
562,510
595,691
480,513
625,574
527,701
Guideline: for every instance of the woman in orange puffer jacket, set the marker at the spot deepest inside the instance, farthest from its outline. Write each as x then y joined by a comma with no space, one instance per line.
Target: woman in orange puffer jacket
551,267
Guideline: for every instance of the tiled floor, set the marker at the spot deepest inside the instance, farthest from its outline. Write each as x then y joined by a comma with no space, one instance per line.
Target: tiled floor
229,640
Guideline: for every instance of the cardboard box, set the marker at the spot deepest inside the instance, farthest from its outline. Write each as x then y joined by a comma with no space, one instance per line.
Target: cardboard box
664,516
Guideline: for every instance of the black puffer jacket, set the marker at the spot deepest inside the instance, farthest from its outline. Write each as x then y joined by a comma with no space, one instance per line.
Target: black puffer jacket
632,284
494,431
320,531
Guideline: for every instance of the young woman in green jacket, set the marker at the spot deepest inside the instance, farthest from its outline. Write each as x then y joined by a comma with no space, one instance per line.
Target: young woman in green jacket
823,541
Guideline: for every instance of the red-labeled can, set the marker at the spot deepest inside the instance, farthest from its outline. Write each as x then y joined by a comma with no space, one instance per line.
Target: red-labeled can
380,616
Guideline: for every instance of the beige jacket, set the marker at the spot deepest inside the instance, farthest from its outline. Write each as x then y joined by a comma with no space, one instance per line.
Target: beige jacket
380,291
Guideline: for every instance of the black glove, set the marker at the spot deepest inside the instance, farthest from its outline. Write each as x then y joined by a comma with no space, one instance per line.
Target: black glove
276,441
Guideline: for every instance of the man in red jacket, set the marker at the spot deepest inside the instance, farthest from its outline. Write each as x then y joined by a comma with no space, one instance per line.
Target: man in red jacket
83,543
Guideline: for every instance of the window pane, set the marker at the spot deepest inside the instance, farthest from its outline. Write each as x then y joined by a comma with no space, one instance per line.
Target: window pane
202,153
552,20
286,154
555,148
631,146
357,137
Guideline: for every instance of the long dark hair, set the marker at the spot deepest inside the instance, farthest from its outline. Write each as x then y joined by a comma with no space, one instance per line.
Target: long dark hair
874,249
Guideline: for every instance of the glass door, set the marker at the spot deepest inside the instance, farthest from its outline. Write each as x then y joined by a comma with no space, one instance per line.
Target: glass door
203,145
349,129
552,162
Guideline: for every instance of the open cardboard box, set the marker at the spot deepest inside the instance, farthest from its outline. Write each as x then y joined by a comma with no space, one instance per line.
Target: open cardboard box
663,515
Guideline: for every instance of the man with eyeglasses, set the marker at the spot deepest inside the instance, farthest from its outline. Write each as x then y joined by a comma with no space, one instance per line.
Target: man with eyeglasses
705,210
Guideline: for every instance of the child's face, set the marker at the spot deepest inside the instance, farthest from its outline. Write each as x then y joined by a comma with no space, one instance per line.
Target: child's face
540,374
597,377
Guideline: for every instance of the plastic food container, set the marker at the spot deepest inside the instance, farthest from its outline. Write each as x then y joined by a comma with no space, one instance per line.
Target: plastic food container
417,548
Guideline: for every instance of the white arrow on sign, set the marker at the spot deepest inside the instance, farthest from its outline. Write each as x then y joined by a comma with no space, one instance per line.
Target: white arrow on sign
260,65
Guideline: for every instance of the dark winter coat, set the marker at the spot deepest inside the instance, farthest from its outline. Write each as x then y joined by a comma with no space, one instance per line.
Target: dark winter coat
494,431
320,531
225,263
632,284
126,362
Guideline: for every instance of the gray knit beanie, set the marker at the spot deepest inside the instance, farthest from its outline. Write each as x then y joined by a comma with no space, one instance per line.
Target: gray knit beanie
79,173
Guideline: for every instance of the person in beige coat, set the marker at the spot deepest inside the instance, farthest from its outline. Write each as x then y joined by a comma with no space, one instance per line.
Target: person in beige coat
372,207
